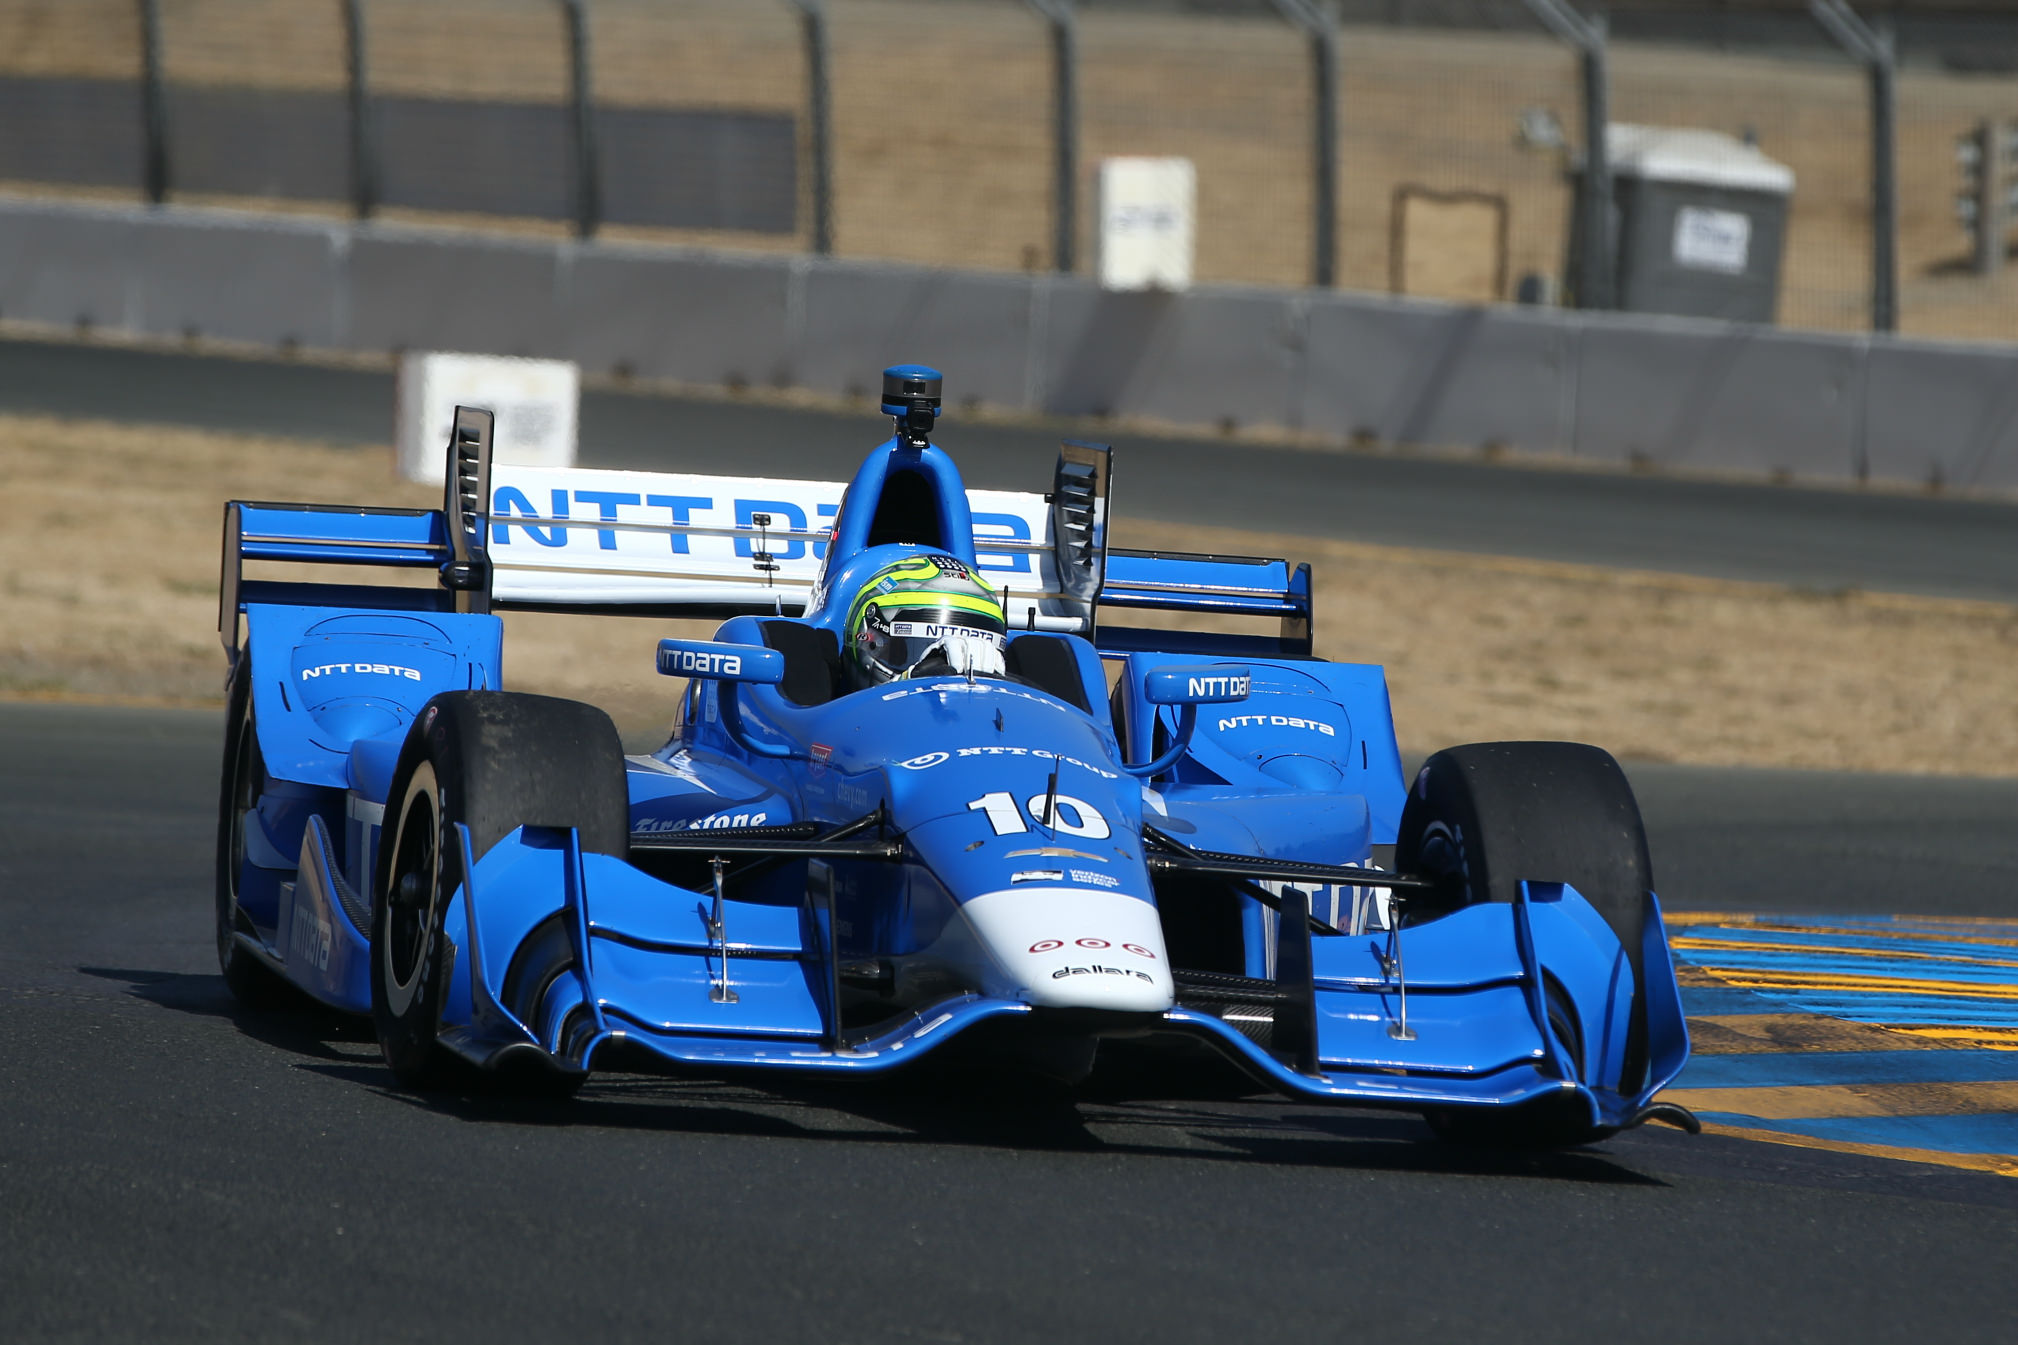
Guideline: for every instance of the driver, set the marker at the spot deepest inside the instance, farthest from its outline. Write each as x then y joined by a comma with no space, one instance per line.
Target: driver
926,615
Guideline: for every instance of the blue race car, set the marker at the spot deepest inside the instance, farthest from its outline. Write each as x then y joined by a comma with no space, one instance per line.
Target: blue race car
924,796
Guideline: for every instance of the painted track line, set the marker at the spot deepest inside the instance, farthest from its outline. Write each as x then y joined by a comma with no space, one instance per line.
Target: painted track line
1893,1037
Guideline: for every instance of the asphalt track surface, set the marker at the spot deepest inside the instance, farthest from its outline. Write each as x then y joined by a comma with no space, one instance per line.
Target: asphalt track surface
1822,539
175,1167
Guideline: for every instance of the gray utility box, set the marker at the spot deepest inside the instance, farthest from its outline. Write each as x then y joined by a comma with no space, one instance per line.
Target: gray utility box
1700,221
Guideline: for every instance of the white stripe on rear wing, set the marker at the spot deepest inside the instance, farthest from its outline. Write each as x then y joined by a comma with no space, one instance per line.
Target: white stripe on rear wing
579,536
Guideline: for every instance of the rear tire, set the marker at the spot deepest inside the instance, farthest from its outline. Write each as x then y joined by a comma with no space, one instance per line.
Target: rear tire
242,781
493,761
1482,818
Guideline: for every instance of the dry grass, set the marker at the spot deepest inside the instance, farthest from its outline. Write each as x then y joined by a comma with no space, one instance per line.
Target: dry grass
110,590
110,586
1662,667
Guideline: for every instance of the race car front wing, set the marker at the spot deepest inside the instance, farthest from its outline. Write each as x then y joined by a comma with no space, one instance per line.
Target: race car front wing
1490,1007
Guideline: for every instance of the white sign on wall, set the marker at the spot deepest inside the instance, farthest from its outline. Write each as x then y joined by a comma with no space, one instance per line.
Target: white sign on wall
535,402
1712,240
1148,223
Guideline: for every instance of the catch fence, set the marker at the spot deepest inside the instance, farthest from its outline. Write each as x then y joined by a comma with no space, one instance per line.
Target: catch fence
1332,145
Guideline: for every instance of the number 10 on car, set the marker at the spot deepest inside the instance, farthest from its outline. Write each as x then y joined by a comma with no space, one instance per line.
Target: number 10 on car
1073,817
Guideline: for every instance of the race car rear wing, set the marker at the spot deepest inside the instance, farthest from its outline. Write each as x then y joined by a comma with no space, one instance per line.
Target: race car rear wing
650,543
645,543
451,541
1226,586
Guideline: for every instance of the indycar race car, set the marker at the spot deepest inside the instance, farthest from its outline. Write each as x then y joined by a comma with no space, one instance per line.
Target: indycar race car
924,796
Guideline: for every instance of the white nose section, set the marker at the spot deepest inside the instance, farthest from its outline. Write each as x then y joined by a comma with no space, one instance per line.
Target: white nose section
1068,948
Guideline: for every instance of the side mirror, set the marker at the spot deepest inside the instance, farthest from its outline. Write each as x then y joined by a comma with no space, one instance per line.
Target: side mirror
712,662
1215,684
736,664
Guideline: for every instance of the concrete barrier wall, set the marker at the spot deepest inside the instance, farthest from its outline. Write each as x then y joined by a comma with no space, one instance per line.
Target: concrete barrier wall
691,317
1607,387
855,320
1947,413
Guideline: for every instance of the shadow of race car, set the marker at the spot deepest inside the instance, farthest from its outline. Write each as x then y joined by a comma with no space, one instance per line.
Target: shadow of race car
1038,830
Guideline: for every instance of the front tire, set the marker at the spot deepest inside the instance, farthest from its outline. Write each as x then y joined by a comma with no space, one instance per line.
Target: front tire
1484,817
1481,819
492,761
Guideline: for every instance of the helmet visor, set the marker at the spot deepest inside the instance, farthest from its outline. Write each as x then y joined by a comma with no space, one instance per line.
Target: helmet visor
902,639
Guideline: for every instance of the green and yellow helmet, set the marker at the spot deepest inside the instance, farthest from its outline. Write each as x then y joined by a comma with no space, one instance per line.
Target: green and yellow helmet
921,603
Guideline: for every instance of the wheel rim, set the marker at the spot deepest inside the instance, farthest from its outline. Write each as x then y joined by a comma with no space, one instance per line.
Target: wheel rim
1440,855
415,854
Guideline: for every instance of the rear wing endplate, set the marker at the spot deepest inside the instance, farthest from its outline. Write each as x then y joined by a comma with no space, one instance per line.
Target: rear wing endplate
1206,585
451,541
1092,575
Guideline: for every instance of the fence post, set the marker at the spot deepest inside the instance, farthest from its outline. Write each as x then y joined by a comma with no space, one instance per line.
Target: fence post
1600,277
819,117
1985,209
1064,131
1324,51
153,104
1876,51
1321,27
363,159
588,184
1884,189
1596,260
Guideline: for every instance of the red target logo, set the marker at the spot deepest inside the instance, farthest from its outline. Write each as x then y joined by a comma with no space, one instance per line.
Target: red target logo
1095,945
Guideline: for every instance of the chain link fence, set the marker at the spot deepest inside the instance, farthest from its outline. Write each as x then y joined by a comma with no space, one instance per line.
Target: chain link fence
1457,149
941,132
700,112
1231,92
1810,115
1949,285
1330,144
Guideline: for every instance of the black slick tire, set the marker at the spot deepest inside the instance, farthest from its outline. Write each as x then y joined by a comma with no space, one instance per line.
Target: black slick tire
1482,818
492,761
241,781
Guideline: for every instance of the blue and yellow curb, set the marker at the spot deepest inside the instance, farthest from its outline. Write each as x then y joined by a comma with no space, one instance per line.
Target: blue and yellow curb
1889,1036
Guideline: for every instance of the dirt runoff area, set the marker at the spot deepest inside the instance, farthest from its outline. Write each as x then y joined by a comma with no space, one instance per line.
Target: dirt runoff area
110,556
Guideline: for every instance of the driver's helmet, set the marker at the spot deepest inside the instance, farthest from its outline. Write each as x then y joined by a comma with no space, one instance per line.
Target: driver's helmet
926,613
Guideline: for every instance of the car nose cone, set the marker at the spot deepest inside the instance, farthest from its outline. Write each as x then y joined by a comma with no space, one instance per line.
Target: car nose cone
1073,948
